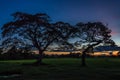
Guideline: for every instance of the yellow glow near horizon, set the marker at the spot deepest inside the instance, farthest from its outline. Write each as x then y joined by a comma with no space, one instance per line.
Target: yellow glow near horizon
104,53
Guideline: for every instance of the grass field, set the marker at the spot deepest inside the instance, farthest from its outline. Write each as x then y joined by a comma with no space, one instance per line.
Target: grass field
64,69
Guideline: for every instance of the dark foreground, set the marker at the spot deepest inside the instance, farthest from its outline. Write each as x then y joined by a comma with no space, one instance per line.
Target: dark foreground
61,69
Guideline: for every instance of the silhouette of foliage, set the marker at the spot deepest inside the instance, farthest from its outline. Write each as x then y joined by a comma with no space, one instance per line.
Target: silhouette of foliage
91,35
36,30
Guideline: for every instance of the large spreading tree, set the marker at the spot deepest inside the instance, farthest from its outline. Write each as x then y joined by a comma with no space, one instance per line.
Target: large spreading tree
91,35
36,30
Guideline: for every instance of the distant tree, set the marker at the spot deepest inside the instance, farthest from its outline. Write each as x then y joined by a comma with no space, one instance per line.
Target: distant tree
36,30
91,35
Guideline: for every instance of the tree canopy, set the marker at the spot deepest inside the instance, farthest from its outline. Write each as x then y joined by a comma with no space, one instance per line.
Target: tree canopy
91,35
36,30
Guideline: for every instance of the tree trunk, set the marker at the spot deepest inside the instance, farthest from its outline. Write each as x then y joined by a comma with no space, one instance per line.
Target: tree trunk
39,60
83,59
86,50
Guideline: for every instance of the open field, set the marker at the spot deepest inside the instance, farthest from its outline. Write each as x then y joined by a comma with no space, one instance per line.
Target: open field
64,69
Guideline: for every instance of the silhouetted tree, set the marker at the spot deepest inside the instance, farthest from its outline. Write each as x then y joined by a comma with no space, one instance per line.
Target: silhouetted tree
91,35
36,30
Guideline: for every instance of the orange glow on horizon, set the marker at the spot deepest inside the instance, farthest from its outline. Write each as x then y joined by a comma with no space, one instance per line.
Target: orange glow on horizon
104,53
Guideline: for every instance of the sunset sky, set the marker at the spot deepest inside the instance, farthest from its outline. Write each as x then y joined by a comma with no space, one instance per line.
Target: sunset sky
72,11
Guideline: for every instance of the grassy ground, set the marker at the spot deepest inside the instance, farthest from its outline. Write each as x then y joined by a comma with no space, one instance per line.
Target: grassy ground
64,69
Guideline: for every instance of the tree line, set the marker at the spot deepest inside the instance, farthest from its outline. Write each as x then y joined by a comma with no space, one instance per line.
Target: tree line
36,30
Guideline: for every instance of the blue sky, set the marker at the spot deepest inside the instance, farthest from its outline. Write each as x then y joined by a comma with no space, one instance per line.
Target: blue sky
72,11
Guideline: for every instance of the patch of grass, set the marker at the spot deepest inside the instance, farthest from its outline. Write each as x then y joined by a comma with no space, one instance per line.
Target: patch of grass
65,69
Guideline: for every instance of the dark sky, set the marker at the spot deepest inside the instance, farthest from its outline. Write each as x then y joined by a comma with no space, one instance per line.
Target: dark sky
72,11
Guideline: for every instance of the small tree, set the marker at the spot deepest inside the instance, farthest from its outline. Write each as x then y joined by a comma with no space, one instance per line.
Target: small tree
36,30
91,35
